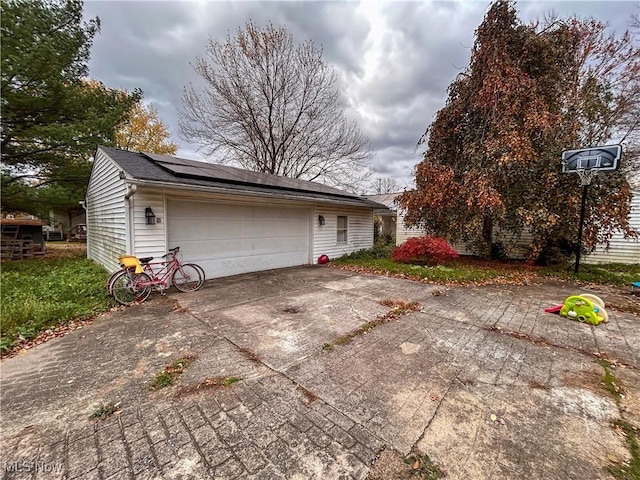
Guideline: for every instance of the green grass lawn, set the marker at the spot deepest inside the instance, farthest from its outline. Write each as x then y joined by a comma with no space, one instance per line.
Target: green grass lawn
617,274
470,271
453,272
43,293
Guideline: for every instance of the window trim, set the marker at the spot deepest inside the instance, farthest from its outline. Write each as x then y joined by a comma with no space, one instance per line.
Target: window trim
342,230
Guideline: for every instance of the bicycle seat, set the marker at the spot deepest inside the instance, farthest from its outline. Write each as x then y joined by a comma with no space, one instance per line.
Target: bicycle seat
145,260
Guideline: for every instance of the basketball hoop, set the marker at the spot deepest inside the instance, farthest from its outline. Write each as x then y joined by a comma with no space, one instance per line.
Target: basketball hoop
587,162
586,176
605,158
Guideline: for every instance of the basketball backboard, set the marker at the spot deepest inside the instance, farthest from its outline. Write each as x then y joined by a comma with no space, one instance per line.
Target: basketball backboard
603,158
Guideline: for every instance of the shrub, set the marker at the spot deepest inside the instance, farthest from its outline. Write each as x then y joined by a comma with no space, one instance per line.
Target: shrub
424,250
384,239
377,251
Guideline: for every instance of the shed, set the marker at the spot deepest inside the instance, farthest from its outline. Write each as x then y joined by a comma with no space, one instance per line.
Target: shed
228,220
21,238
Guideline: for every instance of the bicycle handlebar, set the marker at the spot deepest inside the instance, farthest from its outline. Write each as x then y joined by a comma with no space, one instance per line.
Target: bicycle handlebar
172,251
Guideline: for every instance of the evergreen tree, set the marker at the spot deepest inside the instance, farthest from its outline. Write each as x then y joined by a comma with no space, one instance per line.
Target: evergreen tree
52,118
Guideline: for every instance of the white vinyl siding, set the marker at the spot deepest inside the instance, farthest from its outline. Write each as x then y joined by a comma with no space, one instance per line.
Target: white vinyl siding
359,231
462,249
517,248
106,216
621,250
403,233
148,240
343,229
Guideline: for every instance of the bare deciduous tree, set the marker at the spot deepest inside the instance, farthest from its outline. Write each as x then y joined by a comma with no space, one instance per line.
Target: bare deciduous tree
272,106
384,185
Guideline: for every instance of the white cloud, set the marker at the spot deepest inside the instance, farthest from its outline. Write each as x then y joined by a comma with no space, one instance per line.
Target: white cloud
394,60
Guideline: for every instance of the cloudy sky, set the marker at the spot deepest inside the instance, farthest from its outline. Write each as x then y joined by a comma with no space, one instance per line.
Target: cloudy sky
394,60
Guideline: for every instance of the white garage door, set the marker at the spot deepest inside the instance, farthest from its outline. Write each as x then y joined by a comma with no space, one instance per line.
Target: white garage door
228,239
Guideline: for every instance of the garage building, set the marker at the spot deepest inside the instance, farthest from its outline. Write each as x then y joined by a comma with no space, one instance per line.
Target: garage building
228,220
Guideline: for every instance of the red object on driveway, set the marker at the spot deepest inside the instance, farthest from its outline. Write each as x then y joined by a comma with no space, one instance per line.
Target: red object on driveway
555,309
323,259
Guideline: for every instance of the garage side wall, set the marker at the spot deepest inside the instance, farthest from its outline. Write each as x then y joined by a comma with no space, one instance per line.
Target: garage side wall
325,237
148,240
106,218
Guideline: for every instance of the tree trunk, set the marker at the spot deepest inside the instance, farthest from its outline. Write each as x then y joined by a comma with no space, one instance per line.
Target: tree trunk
487,237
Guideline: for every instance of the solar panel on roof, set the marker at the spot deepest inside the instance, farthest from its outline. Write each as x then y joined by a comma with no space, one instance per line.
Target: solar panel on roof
166,159
182,170
224,173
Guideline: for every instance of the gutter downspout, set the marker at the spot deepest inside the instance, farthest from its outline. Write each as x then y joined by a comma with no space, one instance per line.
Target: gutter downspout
128,214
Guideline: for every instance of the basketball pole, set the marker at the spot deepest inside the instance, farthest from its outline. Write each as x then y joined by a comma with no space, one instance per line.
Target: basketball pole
583,208
587,163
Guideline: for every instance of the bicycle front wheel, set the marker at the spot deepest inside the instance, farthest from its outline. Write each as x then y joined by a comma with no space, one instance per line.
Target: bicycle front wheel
187,277
126,287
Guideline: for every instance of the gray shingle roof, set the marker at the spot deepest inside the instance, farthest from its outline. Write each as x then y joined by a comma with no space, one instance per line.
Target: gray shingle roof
191,173
387,199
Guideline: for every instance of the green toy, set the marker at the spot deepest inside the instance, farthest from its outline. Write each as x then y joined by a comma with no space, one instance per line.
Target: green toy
585,308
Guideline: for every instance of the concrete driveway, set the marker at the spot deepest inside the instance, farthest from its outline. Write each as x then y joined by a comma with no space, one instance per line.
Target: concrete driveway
479,379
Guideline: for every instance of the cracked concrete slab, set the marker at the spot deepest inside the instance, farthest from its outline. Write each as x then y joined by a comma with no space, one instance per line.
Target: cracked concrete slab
482,380
285,330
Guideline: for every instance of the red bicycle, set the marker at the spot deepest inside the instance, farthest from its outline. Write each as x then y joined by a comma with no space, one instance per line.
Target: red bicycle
139,276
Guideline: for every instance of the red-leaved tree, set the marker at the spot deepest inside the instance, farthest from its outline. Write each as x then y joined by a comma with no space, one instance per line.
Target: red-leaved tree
493,151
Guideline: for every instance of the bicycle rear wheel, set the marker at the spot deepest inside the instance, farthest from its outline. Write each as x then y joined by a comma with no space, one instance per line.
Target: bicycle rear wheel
187,277
201,270
126,290
110,281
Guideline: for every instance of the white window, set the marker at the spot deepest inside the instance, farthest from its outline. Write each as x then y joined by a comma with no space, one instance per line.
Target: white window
342,229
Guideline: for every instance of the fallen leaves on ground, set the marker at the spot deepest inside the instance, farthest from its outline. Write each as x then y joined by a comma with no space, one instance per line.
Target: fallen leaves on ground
45,336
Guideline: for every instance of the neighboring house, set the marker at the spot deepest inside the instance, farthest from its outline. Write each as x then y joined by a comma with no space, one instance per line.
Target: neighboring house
387,217
393,218
63,221
227,220
516,247
622,250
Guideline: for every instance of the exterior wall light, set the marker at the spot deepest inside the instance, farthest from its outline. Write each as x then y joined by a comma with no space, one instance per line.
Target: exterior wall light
321,220
150,216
